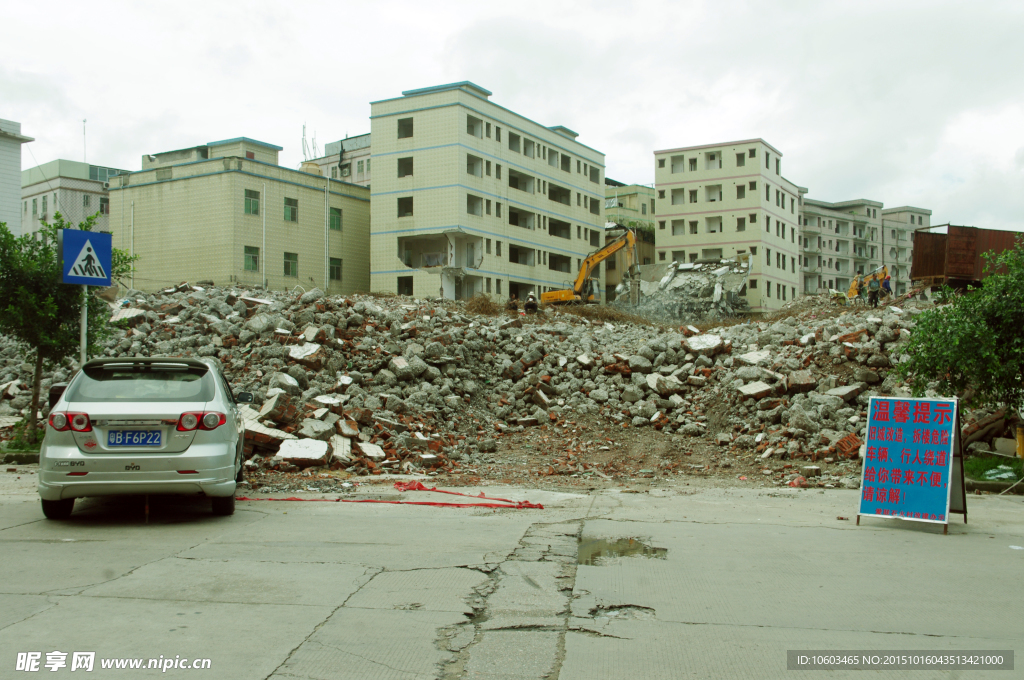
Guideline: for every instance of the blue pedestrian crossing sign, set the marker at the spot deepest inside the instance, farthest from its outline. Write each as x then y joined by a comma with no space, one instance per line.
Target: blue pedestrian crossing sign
86,257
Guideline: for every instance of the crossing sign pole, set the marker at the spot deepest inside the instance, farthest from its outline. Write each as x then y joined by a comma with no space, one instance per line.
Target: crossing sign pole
85,258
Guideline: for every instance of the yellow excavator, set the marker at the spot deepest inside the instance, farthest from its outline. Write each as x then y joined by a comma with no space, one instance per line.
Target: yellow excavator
584,289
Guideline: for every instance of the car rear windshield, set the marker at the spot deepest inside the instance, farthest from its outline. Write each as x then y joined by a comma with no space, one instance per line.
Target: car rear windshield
143,383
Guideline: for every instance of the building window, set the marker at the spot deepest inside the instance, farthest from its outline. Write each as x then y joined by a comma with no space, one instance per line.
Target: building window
359,167
661,162
335,269
753,284
44,204
35,207
405,207
291,210
767,193
252,259
488,285
497,250
661,224
497,286
497,170
291,264
693,164
252,202
741,160
693,227
487,246
778,171
474,126
497,133
661,256
741,224
104,206
404,128
497,209
661,193
334,172
405,167
741,191
643,208
335,219
86,199
693,195
474,205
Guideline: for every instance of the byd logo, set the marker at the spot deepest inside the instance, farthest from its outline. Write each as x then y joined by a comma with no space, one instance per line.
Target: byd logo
132,466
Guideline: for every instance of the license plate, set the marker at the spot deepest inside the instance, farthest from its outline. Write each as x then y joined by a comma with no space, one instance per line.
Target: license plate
133,438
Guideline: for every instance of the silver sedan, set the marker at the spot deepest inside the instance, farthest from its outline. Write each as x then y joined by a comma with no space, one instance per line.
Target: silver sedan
155,425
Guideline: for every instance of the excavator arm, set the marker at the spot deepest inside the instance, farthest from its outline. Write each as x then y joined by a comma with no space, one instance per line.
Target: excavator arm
580,291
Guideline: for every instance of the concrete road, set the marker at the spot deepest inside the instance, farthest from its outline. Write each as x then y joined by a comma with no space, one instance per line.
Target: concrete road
719,584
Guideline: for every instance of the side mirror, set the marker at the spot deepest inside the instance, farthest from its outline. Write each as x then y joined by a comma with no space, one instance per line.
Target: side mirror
243,398
56,390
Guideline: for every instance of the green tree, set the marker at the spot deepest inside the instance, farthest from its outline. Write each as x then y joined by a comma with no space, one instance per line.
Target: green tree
39,310
974,346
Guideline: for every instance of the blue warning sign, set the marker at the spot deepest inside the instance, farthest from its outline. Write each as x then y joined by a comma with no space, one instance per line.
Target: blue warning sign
86,257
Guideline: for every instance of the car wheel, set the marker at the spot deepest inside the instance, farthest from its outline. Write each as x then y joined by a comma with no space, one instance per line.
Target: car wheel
58,509
224,505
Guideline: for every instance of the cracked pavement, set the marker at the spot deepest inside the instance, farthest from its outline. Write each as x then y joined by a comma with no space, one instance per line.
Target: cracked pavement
733,579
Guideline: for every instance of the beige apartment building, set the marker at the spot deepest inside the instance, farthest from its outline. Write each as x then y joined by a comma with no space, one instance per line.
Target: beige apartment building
228,213
629,205
76,190
469,197
842,240
730,200
11,140
347,160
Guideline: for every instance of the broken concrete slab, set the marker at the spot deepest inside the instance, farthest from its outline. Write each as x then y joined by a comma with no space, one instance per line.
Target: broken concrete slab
303,452
846,392
707,344
756,390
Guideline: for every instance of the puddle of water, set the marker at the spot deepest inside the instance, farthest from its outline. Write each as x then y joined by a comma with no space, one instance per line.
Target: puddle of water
600,551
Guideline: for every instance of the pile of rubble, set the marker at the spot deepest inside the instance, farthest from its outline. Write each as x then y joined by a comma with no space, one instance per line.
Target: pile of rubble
373,384
692,292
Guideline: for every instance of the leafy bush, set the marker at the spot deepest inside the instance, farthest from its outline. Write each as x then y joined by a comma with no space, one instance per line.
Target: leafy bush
974,346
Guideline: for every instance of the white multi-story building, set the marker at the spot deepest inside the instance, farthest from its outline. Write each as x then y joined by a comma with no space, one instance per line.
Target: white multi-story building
75,190
11,140
730,200
849,238
347,160
469,197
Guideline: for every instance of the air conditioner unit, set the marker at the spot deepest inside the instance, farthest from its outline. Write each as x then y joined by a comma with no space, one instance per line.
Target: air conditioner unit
106,185
346,171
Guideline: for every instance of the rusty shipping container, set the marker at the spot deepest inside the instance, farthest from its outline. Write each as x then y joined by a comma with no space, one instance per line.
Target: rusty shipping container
955,257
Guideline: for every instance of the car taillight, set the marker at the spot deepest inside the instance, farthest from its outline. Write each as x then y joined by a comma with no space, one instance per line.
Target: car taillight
79,422
188,421
59,422
210,420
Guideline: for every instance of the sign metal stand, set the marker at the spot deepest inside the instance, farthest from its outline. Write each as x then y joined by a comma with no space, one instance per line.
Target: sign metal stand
85,259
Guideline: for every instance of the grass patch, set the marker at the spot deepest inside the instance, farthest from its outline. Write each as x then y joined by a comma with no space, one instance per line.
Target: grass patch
19,442
975,467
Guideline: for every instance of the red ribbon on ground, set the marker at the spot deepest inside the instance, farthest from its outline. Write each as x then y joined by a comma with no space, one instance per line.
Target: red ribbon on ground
417,486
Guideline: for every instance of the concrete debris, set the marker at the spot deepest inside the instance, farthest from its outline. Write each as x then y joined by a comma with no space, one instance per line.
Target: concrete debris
367,385
692,291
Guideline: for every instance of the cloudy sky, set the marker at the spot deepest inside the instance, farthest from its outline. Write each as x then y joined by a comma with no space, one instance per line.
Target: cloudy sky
909,103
